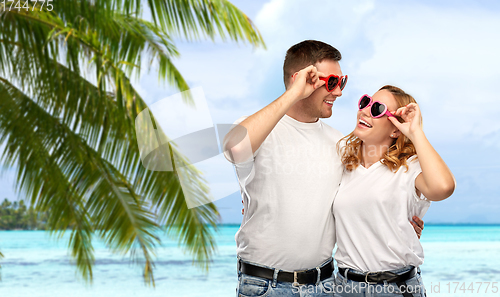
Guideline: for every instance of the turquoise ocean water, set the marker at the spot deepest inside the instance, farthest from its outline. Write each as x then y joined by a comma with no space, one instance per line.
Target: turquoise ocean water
458,259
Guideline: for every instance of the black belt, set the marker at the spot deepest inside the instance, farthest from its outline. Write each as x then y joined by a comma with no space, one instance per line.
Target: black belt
381,276
298,277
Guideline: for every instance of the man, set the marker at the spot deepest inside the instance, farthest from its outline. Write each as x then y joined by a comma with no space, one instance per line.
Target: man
289,172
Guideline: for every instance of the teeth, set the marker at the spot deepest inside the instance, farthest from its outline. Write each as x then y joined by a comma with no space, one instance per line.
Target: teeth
363,122
329,102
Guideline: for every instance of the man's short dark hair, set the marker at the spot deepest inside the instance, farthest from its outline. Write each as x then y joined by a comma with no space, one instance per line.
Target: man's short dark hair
305,53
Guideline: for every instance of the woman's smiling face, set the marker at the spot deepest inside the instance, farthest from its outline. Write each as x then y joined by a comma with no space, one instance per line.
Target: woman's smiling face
377,131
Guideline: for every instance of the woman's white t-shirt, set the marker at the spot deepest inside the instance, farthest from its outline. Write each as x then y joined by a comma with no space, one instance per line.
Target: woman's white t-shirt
373,209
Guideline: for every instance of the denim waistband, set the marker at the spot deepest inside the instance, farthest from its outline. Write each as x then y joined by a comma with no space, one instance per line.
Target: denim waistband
269,267
397,271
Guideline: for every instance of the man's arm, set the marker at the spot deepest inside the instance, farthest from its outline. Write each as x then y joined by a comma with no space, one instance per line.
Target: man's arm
257,127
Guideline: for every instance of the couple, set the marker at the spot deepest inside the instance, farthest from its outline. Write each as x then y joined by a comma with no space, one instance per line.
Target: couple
305,188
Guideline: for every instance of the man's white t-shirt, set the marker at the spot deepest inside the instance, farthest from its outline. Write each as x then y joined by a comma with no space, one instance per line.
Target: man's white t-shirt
288,190
373,209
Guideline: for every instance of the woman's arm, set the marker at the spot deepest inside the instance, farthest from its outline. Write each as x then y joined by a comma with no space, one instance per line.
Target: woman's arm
436,181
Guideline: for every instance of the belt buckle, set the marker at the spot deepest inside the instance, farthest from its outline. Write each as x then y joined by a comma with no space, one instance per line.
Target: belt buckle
295,281
366,278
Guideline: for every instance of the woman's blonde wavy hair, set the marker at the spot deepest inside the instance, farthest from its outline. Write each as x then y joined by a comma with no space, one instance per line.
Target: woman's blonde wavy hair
398,153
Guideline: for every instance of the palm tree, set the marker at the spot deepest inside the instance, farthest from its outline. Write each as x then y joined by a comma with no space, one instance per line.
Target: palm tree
67,110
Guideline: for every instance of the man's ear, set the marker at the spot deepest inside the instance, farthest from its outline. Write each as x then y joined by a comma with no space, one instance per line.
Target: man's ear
291,80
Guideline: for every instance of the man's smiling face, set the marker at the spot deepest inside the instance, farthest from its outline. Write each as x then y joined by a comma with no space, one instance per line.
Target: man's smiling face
319,104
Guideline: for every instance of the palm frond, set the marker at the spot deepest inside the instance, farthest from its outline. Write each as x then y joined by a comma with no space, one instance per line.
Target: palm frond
191,19
39,176
117,212
67,120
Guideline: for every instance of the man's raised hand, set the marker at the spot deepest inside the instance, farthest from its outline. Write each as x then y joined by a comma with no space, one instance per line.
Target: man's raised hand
305,82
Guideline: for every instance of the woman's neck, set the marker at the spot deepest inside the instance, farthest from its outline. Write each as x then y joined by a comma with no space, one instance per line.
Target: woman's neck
372,153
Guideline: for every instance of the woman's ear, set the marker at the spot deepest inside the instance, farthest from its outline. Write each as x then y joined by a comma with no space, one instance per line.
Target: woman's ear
395,133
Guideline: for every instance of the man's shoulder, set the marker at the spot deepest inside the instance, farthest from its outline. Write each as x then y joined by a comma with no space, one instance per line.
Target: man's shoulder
240,119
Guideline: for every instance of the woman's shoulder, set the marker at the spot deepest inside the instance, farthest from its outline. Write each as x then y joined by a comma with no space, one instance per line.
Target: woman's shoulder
412,168
413,162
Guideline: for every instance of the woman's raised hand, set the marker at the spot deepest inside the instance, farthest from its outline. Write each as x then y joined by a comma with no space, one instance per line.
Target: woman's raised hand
411,116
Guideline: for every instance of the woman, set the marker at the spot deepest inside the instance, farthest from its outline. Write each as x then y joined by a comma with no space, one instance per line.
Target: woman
383,186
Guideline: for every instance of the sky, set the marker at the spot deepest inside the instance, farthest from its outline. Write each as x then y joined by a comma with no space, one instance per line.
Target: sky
444,53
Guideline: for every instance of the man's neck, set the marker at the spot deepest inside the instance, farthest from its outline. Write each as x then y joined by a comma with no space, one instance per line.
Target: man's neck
301,117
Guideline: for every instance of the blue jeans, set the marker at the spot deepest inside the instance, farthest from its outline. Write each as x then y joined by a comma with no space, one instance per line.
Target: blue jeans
349,288
251,286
